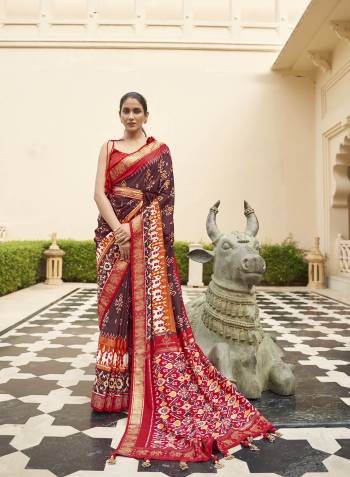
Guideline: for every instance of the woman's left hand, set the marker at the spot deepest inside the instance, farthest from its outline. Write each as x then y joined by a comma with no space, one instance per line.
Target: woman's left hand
122,234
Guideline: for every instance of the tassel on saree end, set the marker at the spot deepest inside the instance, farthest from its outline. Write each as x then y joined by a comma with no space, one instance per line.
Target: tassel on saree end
216,462
146,463
269,437
111,460
248,443
228,456
253,447
183,465
275,433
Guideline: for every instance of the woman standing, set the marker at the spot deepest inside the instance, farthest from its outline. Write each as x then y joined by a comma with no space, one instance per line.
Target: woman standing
180,406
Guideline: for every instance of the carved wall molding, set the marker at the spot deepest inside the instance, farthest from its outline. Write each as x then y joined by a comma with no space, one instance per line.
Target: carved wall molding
224,24
130,45
336,78
321,59
341,29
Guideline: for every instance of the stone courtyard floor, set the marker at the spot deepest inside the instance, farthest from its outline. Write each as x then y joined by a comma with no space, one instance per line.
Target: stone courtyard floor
48,340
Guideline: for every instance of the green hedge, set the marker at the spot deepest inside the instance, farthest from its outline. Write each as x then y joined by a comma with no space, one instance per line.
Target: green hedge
22,263
181,250
79,263
285,264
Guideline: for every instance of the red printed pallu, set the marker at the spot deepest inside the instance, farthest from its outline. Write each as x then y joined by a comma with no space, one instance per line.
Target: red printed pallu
180,407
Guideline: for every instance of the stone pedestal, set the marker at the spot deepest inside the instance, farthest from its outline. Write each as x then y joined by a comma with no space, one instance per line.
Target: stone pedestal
195,269
316,266
54,263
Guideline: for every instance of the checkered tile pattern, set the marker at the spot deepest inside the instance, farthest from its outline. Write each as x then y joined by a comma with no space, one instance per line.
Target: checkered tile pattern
47,427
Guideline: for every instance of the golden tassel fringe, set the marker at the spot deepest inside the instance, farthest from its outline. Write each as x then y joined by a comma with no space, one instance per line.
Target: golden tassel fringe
146,463
253,447
183,465
111,460
229,456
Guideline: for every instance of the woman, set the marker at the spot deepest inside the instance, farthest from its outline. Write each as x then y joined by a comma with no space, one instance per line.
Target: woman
180,406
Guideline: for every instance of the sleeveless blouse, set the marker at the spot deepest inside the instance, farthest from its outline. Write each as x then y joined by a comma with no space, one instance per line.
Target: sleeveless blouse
114,156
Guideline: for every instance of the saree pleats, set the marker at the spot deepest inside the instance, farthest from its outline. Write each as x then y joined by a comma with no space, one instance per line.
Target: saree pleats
180,407
111,387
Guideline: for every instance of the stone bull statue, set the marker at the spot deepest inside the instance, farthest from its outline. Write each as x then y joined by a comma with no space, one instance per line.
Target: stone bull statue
226,321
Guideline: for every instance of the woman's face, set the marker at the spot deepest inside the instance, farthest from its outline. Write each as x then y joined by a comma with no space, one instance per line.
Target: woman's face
132,115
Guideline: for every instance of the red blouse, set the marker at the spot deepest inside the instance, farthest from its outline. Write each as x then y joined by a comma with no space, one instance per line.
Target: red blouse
114,156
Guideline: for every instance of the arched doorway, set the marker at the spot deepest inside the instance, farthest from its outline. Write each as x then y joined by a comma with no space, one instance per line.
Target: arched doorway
340,209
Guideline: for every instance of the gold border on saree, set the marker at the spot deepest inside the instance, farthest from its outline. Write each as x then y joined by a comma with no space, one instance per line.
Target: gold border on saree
128,192
132,194
124,191
132,159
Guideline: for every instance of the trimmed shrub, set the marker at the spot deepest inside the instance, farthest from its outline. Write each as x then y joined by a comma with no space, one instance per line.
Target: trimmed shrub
285,264
79,262
208,267
22,263
181,250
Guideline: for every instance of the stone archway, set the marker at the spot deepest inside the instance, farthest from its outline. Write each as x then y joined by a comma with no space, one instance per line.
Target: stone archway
341,175
349,205
340,209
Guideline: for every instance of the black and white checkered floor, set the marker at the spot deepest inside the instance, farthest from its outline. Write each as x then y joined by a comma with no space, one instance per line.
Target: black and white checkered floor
47,427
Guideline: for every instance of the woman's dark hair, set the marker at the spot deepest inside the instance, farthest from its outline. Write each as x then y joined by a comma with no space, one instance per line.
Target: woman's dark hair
140,99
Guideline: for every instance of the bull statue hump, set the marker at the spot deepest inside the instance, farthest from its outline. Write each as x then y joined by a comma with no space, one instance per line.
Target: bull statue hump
225,321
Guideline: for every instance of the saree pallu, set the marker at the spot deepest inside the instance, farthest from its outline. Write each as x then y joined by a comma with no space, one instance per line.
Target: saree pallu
180,406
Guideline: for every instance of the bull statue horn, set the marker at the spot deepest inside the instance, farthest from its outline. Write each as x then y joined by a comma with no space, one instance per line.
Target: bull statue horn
252,227
212,229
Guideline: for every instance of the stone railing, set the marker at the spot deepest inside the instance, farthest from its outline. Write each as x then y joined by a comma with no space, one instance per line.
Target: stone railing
343,248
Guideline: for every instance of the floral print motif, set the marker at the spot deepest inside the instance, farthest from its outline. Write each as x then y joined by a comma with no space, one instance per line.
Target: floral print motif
182,406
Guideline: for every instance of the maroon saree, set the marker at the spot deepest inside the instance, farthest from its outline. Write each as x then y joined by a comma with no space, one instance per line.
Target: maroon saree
180,407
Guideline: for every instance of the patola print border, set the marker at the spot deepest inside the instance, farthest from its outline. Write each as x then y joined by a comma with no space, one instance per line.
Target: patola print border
163,321
120,267
139,429
103,248
128,164
140,420
110,289
137,388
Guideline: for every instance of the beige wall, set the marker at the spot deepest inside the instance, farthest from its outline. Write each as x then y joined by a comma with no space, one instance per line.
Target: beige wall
236,130
332,104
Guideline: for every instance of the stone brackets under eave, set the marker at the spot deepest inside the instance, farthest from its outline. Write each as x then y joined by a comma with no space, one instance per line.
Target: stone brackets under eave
341,29
321,59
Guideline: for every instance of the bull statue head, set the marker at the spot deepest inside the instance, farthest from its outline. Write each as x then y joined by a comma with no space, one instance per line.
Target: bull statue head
237,261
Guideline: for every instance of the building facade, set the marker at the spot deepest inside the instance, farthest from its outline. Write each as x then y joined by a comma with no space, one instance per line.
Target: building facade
205,69
319,49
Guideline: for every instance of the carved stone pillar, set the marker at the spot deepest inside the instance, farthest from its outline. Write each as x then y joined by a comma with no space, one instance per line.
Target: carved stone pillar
54,262
316,266
195,269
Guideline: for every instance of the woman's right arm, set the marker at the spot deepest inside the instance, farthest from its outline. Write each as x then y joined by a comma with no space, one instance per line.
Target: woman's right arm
102,201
